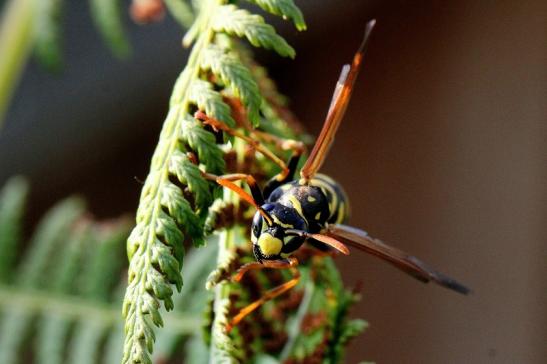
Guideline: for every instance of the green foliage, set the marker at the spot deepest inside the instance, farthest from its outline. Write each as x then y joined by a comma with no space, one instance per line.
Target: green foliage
106,15
166,216
181,11
206,98
67,284
236,76
12,200
66,287
285,8
47,32
233,21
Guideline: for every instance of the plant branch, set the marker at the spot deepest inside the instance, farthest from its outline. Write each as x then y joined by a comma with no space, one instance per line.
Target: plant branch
70,307
16,39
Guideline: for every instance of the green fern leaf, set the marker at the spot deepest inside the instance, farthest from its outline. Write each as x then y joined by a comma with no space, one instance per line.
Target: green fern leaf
114,346
181,11
62,289
48,33
285,8
86,344
189,174
236,76
191,299
182,212
103,263
51,232
12,200
203,143
99,274
107,17
240,22
53,329
32,273
202,94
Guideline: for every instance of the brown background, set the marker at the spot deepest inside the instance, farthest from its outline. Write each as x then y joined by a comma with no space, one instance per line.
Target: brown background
443,153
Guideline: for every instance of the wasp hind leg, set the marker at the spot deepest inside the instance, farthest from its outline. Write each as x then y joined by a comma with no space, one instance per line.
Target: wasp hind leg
290,263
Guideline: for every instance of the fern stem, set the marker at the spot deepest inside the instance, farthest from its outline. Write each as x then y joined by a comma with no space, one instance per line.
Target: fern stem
294,329
70,307
222,348
16,38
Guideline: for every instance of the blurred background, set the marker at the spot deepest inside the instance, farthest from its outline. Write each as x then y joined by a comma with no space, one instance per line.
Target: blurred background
443,153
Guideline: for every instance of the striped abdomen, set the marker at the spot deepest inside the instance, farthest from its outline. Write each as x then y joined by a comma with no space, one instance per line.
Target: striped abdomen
336,197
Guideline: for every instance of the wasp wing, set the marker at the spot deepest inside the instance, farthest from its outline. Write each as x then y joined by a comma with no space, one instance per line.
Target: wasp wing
361,240
337,108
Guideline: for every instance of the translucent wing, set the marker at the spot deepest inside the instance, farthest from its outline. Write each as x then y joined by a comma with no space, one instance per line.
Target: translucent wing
338,105
407,263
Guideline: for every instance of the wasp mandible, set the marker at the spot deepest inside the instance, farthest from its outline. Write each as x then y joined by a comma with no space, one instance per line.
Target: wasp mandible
313,208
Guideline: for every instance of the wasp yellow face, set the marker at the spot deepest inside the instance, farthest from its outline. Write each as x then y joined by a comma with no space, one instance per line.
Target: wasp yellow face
269,245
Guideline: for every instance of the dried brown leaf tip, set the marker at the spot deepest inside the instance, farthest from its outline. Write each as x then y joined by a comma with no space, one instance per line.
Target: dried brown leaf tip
147,11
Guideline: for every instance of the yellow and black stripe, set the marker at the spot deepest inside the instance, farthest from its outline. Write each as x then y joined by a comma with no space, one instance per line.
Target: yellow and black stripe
336,196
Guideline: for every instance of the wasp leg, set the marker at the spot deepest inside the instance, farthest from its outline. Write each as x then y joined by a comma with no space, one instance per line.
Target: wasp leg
282,177
337,109
297,147
290,263
219,125
257,196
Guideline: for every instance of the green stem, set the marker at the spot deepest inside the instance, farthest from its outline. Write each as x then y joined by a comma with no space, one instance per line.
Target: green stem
221,344
16,38
293,329
77,308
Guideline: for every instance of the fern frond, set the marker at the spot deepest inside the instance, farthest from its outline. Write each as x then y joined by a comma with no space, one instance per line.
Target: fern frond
16,41
191,300
181,11
342,329
175,197
47,33
234,75
99,275
62,290
30,275
203,143
12,200
53,329
206,98
107,17
234,21
284,8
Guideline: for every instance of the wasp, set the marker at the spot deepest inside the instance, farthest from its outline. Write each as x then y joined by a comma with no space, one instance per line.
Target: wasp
313,208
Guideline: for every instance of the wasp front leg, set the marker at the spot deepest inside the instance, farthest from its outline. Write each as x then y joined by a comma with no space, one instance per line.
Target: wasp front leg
290,263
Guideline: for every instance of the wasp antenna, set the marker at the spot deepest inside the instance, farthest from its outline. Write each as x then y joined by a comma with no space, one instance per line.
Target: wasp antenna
325,239
368,30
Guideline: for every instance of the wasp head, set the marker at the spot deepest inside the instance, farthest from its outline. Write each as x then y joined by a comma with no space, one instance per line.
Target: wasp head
270,234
